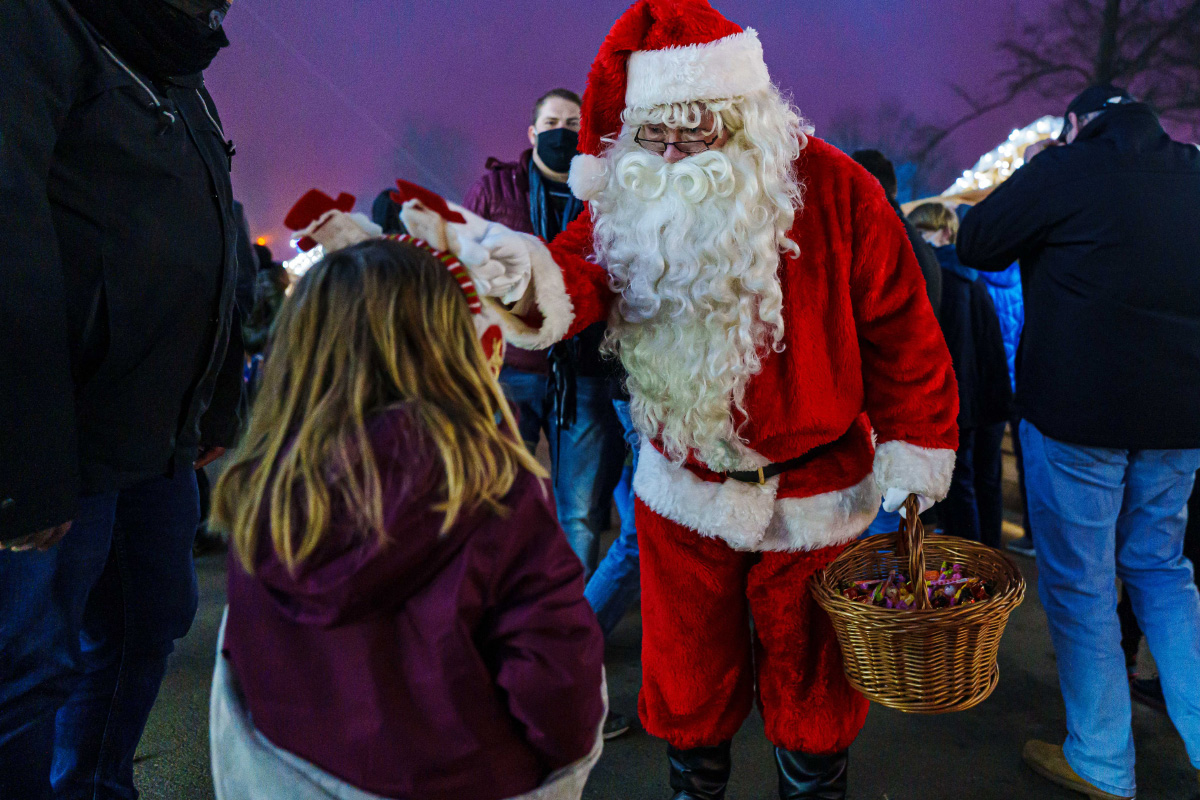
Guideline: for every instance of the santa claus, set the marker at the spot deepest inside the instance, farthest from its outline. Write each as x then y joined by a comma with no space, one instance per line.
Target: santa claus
784,365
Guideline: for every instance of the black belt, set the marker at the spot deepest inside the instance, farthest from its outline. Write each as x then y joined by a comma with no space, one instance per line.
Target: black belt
764,474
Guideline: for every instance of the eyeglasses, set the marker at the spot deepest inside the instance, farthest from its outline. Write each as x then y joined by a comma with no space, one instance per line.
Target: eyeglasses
210,12
690,148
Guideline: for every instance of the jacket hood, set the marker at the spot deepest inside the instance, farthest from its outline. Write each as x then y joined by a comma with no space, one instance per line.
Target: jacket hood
340,580
520,166
948,258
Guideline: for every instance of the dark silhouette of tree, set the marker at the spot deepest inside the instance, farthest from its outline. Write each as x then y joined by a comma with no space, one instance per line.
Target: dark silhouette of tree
1150,47
904,138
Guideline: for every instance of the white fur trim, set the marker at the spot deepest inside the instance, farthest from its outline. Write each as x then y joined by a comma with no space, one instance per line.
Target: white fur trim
586,177
823,520
548,292
735,512
729,67
750,517
918,470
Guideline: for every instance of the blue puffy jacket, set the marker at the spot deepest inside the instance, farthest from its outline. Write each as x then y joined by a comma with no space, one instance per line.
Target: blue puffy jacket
1005,289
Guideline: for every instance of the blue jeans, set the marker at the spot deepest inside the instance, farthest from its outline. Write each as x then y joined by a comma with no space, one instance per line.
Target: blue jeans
85,631
1102,514
616,584
974,507
585,458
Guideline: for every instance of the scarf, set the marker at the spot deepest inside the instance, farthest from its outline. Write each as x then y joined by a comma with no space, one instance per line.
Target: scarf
545,222
563,356
158,39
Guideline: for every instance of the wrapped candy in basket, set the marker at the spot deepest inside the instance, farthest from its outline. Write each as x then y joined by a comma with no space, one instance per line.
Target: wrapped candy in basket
919,618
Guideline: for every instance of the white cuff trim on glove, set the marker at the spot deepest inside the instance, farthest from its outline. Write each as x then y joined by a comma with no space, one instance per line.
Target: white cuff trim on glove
914,469
548,293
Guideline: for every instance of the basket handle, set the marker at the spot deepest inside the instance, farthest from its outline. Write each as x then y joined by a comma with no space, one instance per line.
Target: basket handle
912,537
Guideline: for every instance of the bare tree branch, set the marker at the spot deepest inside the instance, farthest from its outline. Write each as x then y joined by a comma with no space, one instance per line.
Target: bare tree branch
1150,46
902,137
1106,66
1187,19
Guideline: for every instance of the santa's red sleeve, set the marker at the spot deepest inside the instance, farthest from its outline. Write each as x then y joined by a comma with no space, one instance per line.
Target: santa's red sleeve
911,393
567,291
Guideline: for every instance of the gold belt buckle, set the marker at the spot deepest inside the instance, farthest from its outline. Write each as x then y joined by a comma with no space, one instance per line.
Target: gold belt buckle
761,477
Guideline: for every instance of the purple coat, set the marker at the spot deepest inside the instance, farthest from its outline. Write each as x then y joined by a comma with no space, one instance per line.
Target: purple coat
438,666
502,195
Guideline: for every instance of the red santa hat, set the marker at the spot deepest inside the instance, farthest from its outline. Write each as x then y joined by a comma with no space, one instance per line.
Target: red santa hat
661,51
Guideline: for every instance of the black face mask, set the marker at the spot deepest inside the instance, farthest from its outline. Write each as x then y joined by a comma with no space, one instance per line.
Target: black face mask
557,147
156,36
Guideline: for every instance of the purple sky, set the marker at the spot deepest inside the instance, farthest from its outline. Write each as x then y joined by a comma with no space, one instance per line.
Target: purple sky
332,94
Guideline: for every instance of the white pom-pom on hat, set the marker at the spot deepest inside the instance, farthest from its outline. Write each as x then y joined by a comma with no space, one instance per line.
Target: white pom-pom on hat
586,177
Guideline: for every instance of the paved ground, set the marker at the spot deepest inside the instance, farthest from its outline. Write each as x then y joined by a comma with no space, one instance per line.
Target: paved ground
974,755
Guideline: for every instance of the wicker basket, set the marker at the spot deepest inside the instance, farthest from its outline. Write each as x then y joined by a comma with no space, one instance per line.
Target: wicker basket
925,660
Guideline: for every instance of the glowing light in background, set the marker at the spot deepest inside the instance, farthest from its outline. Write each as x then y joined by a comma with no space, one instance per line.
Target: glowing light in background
303,261
995,167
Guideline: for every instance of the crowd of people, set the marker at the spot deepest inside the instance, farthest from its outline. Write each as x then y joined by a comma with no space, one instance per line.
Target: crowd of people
714,320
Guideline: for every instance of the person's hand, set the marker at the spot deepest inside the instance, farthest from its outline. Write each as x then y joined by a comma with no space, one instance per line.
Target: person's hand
509,267
40,541
207,456
1038,146
497,258
893,500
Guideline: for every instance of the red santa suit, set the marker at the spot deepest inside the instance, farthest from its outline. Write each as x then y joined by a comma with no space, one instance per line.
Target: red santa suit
862,385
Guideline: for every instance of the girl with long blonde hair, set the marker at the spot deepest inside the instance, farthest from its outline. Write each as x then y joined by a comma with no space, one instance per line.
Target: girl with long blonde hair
401,598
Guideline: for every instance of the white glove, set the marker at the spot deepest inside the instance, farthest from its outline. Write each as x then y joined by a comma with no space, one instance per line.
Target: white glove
509,267
496,257
893,500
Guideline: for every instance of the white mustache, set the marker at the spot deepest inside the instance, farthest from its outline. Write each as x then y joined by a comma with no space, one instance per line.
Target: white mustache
694,178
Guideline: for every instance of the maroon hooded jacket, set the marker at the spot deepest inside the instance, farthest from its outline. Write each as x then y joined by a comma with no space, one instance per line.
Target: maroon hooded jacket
438,666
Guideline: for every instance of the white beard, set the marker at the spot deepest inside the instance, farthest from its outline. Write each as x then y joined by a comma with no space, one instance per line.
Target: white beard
693,249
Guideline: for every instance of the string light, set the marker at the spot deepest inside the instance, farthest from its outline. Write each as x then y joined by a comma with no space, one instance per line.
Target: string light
996,166
303,261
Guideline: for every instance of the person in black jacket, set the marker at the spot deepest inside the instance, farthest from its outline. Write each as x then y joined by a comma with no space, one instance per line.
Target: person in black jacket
1107,230
882,169
974,507
878,165
117,367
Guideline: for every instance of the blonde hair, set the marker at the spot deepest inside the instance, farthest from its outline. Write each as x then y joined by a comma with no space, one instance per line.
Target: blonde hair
369,328
935,217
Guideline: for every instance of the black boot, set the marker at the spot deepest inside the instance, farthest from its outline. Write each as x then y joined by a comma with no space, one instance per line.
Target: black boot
699,773
808,777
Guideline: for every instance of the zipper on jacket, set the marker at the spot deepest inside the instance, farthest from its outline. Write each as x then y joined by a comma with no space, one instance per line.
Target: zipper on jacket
165,114
230,149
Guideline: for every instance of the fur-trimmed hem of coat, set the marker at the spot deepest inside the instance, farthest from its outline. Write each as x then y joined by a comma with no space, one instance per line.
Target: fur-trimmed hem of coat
749,516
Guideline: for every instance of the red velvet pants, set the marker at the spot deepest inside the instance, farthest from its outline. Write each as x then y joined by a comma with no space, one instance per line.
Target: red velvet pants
700,657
